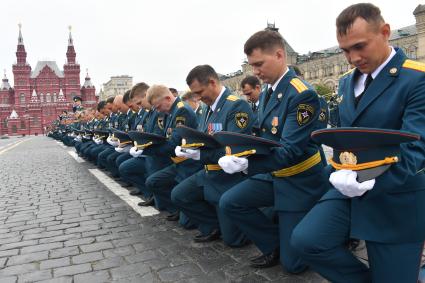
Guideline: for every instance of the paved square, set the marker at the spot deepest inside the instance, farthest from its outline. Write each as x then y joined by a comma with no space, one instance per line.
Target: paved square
59,223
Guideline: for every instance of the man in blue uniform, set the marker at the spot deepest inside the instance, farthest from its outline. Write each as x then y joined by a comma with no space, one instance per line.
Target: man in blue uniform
251,88
179,113
385,90
106,123
194,101
119,124
133,170
290,178
198,195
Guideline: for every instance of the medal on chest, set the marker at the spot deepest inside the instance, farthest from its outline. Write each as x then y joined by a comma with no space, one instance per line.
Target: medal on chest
275,123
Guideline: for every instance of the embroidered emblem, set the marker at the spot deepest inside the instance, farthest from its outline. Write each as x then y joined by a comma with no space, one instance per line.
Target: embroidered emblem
241,120
180,120
161,122
304,114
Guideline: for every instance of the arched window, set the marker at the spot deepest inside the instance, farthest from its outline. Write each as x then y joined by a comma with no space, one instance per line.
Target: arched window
54,97
48,98
41,97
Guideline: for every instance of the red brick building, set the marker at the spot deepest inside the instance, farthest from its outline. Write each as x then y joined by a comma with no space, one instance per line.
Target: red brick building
39,96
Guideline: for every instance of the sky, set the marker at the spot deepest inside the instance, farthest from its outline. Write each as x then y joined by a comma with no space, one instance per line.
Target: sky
160,41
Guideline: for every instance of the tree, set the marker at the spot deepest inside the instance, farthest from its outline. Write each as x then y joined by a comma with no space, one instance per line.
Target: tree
324,91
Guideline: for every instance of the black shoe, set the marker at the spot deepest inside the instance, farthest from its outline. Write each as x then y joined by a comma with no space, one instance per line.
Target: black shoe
174,216
149,202
214,235
267,260
135,193
126,185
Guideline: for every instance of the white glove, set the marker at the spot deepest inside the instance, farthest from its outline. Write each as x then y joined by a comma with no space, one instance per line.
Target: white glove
122,149
98,141
194,154
345,182
78,138
135,152
113,143
232,164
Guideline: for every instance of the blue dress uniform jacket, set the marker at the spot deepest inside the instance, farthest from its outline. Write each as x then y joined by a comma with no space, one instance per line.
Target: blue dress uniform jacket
227,115
394,210
140,120
180,114
198,195
293,112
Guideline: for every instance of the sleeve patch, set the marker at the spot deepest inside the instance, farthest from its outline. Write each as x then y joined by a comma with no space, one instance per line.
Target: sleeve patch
180,104
161,122
322,115
305,113
180,120
242,119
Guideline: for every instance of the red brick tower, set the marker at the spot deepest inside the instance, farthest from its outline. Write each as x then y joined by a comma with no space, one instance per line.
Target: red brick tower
71,72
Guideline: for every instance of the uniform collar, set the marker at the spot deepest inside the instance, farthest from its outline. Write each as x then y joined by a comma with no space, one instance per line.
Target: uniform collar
214,105
274,86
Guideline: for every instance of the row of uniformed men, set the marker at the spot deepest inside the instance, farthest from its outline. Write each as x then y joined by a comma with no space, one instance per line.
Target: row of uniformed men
221,193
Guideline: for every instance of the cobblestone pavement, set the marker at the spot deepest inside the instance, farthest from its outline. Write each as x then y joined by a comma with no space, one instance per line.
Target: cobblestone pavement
60,224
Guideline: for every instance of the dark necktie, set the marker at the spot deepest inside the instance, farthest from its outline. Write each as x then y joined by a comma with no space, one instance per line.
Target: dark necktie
367,83
268,95
254,107
210,111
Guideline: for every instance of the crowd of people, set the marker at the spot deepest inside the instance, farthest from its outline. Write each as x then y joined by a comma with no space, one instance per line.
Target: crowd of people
266,180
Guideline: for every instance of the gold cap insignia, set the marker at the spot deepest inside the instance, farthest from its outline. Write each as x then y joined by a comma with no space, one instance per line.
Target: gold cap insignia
228,150
348,158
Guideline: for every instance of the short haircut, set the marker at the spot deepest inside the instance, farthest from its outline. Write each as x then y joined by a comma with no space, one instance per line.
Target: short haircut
189,96
253,81
139,89
110,100
367,11
101,105
157,92
265,40
202,74
173,90
126,97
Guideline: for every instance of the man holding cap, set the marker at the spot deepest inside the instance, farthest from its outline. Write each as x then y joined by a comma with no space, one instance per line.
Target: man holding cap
385,90
291,178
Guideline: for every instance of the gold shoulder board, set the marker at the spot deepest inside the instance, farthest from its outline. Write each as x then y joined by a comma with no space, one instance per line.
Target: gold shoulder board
232,97
414,65
298,85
